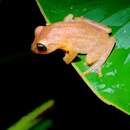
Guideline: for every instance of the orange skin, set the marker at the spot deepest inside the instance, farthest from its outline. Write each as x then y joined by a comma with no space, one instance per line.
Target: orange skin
76,35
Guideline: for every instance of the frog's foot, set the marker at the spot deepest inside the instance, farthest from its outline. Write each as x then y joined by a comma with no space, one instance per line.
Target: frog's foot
94,63
70,56
94,68
69,18
48,23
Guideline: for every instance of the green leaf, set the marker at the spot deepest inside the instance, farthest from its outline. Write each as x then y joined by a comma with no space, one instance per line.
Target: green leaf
31,121
114,86
42,125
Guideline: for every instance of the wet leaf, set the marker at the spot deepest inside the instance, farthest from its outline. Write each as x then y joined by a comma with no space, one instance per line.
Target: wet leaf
114,86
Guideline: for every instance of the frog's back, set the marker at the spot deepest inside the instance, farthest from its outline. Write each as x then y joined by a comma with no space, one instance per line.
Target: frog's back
81,35
76,27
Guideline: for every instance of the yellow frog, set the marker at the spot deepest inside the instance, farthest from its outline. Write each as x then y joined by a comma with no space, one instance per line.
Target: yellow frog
76,35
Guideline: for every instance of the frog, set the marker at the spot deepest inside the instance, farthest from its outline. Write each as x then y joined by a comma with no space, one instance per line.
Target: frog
75,36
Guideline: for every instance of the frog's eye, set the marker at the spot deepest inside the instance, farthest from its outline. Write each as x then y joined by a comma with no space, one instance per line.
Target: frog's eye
41,47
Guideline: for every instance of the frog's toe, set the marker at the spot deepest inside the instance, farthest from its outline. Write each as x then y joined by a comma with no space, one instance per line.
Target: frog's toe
85,73
93,68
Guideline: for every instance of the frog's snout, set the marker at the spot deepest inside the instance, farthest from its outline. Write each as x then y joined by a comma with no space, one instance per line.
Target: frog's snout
41,47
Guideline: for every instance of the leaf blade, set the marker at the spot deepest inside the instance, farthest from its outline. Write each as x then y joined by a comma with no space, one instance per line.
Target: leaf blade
113,88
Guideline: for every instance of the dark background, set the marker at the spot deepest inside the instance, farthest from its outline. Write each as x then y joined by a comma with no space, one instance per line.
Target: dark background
27,79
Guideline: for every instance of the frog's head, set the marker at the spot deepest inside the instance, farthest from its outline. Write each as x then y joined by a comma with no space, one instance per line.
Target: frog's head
42,44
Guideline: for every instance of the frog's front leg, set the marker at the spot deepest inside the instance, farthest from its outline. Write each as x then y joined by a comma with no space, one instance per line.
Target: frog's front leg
97,66
70,56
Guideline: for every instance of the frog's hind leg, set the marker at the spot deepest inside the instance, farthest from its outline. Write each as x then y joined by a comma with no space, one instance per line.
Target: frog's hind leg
97,66
98,25
91,60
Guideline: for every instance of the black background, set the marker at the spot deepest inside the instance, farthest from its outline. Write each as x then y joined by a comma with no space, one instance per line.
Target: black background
27,79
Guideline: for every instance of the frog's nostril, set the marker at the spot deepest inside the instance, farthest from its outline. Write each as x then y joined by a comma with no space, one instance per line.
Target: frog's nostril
41,47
